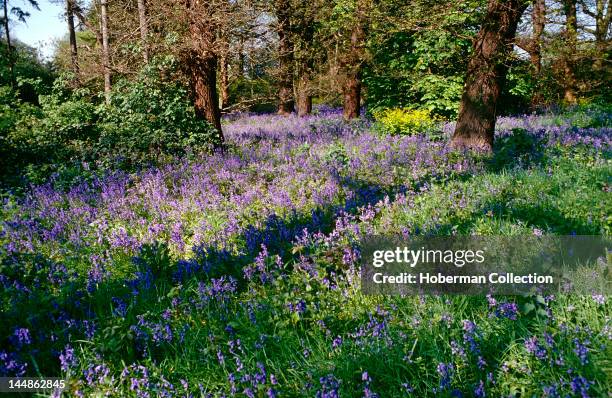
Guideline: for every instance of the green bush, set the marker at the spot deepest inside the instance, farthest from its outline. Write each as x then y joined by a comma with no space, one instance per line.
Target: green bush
33,75
149,118
14,114
398,121
40,138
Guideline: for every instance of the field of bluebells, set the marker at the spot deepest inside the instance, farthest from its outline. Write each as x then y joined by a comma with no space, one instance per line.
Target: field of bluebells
237,274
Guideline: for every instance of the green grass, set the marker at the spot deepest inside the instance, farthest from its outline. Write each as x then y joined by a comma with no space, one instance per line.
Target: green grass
563,196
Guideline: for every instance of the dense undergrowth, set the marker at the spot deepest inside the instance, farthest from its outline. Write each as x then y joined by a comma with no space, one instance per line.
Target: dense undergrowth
236,274
71,133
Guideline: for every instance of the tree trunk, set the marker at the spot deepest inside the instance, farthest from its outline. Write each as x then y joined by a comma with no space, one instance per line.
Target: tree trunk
9,46
105,49
304,102
285,57
203,70
352,68
569,56
241,59
602,27
202,64
144,29
304,55
486,75
352,97
224,81
538,19
72,38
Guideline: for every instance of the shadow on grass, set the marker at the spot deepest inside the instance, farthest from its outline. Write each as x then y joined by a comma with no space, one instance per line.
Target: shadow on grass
533,215
115,303
517,150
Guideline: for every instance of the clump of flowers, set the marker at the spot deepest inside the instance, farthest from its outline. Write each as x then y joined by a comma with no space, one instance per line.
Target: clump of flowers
504,309
402,121
445,371
535,348
329,387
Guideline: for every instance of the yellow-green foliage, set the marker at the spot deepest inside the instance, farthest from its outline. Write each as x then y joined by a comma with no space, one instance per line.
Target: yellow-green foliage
405,121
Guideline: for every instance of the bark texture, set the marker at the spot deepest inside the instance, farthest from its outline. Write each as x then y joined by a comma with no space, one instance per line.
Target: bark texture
202,64
352,97
224,83
304,103
351,90
538,20
144,29
224,71
242,59
285,57
486,75
305,57
74,55
569,55
105,48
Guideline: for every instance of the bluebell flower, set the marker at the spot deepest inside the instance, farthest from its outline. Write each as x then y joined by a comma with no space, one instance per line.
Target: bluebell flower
67,359
479,391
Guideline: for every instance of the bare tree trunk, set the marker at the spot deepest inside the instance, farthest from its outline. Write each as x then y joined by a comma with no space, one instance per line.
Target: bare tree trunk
571,42
72,37
486,75
9,45
144,29
538,18
352,68
352,97
602,27
304,55
533,46
305,68
285,57
203,79
241,58
105,49
224,81
304,98
202,64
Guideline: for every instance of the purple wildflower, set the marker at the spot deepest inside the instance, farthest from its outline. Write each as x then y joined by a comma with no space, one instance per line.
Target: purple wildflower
445,371
580,385
329,387
507,310
67,359
479,391
22,336
581,350
599,298
533,347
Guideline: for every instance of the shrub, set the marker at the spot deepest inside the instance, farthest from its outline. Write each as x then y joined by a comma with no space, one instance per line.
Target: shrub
67,126
398,121
150,117
148,120
39,139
